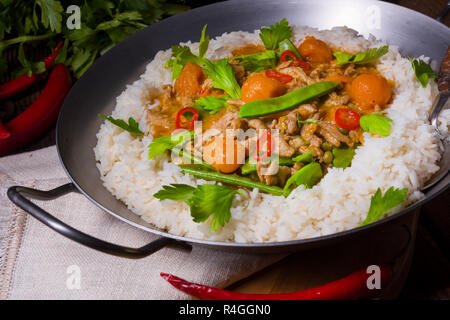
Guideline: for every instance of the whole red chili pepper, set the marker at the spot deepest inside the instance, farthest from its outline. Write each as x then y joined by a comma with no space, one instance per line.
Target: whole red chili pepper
180,113
281,77
38,117
296,61
23,82
350,287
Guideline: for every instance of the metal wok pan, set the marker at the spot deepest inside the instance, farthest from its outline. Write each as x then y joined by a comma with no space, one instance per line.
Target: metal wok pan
96,91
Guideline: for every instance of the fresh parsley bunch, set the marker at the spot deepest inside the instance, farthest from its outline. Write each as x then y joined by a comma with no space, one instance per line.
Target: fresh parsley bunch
104,23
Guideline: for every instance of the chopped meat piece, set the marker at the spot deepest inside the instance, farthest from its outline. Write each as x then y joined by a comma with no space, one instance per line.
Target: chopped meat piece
239,71
256,124
285,150
306,110
268,175
237,103
296,142
332,135
336,100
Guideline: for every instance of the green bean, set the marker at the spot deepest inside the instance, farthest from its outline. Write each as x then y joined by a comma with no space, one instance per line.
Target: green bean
192,158
250,167
288,45
290,100
232,179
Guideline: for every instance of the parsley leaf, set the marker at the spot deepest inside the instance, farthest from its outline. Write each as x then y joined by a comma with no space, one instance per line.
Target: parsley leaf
360,57
256,62
182,55
274,34
204,43
309,175
181,192
211,104
305,158
422,71
132,126
161,144
223,77
51,14
379,204
204,201
376,124
212,199
342,157
28,67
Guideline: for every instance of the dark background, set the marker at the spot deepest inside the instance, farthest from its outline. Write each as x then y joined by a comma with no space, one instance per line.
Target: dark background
429,276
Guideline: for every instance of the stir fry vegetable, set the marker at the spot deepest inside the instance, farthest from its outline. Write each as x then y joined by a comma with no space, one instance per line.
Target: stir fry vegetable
287,101
232,179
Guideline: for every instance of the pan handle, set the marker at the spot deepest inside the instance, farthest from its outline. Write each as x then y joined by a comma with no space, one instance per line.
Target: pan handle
18,194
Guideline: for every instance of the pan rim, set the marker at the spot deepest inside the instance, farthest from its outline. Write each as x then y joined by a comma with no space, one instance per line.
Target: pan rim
229,244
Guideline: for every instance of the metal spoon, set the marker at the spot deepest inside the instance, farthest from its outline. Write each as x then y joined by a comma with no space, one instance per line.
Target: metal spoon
438,105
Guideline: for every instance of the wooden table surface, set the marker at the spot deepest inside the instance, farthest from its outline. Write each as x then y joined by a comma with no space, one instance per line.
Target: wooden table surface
429,276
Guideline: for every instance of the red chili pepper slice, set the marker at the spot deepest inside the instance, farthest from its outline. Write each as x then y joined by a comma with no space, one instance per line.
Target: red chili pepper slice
180,116
281,77
347,119
38,117
296,61
268,137
352,286
23,82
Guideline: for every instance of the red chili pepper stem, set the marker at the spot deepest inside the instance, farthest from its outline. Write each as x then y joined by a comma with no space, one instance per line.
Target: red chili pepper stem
180,114
38,117
23,82
352,286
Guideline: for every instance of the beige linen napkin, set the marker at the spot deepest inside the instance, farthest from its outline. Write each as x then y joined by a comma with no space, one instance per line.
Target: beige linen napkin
38,263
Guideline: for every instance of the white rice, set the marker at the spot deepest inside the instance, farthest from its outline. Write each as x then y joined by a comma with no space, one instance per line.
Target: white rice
405,159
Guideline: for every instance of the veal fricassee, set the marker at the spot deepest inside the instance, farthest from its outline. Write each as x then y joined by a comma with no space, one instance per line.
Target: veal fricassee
318,126
314,106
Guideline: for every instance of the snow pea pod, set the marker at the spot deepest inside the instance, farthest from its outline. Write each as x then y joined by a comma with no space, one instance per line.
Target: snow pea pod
290,100
250,166
232,179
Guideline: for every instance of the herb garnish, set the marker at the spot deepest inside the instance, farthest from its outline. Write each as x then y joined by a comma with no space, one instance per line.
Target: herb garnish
274,34
132,126
422,71
256,62
164,143
360,57
376,124
204,201
379,204
223,77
